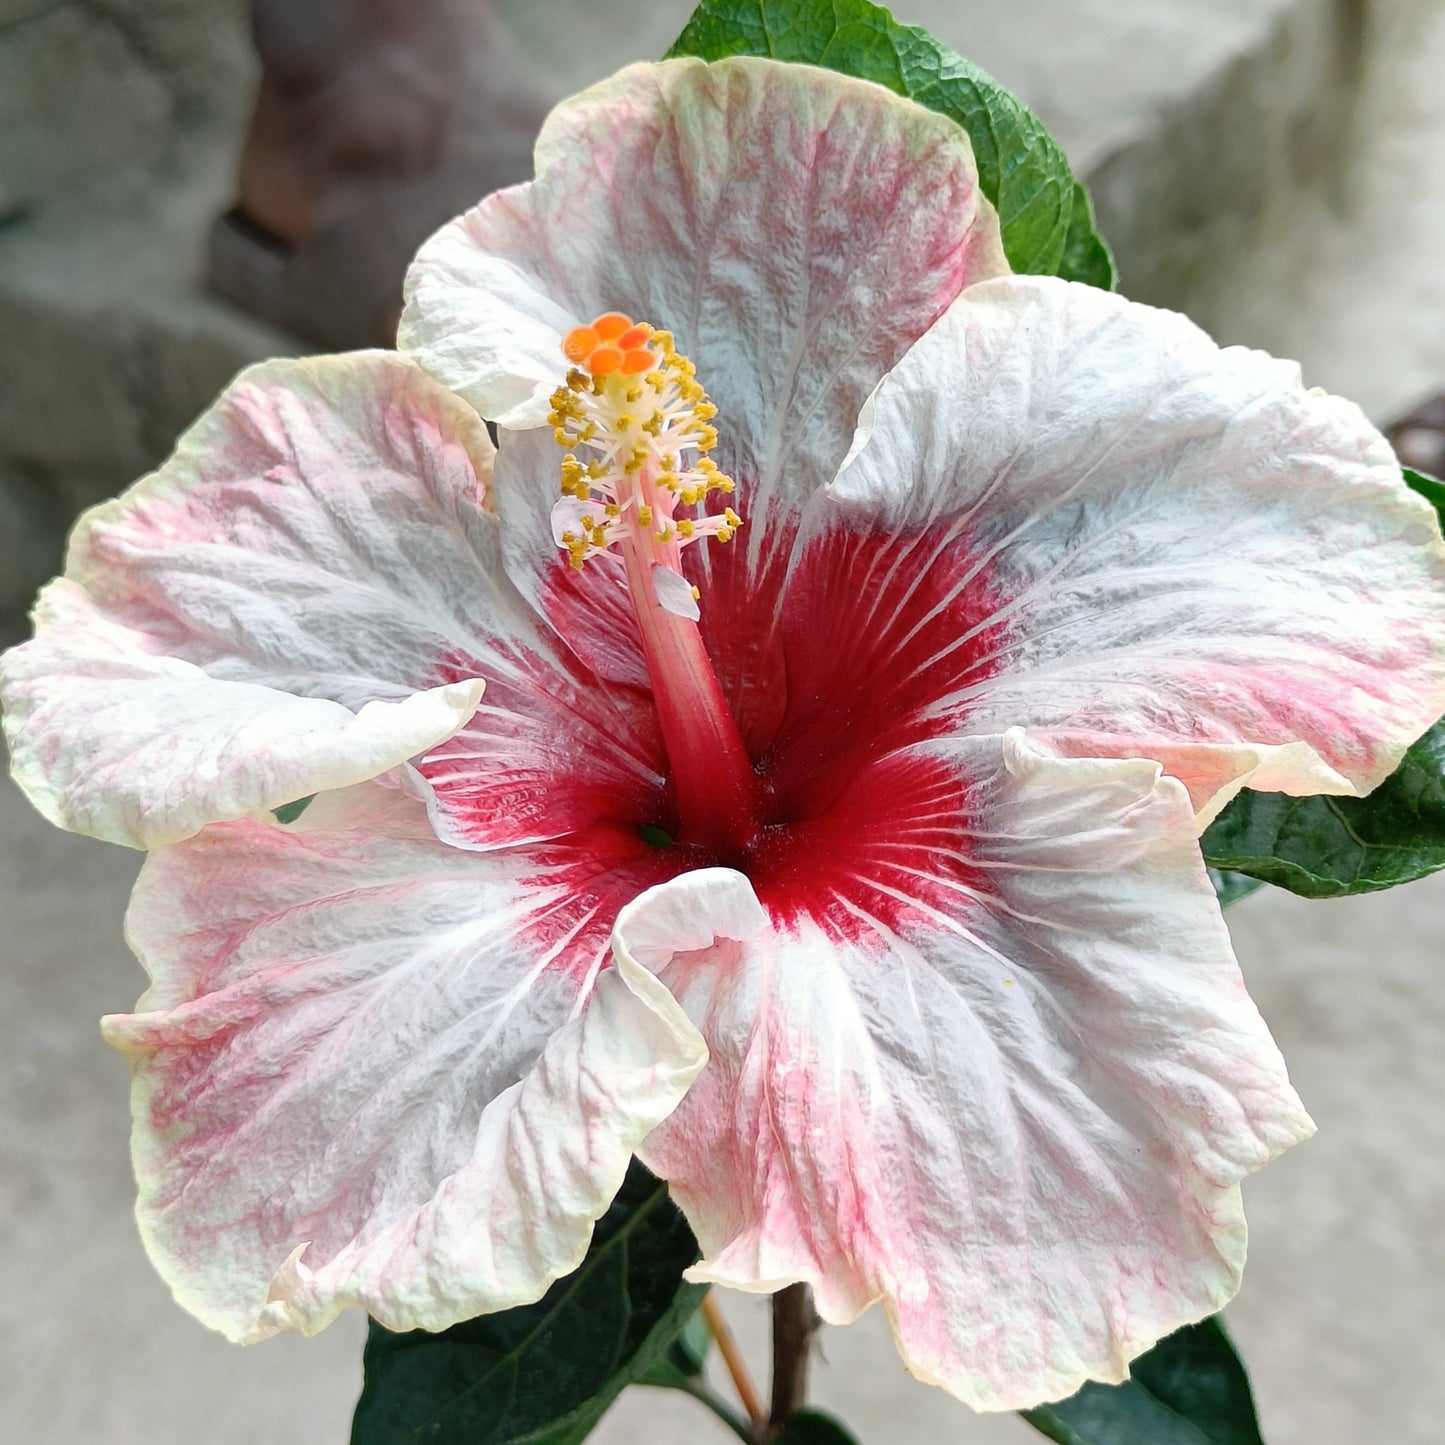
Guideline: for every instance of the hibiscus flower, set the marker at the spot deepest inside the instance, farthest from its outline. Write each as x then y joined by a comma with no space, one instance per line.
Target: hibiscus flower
797,788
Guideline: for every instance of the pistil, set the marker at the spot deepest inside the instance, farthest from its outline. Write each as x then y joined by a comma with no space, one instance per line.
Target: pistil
637,478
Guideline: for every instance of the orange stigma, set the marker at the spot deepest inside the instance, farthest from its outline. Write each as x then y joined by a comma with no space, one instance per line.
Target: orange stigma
614,342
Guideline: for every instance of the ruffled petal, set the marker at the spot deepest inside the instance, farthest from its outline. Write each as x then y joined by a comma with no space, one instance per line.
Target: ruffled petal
779,219
321,529
113,740
365,1075
1012,1100
320,543
797,230
1183,553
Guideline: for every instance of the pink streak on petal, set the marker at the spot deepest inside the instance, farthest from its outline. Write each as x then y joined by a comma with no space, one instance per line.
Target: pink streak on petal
554,750
1203,562
357,1082
1018,1120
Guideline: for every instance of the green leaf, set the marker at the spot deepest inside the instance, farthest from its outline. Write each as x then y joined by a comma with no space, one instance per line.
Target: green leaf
813,1427
1190,1389
1086,257
1047,221
1230,887
1331,847
1431,489
289,812
543,1374
680,1367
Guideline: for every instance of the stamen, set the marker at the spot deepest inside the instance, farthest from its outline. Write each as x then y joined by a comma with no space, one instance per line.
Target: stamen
637,426
633,401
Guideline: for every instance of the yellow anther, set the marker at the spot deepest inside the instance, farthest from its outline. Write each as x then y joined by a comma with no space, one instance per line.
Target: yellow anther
631,394
695,593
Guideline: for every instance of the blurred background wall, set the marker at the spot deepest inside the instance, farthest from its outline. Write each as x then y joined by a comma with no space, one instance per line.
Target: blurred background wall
1272,167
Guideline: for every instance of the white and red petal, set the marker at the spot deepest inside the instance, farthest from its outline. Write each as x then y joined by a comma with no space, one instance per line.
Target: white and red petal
1008,1086
372,1070
795,229
1143,545
319,543
110,738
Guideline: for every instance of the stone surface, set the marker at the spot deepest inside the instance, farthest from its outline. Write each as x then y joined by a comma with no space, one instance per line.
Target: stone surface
1348,278
86,85
108,350
118,123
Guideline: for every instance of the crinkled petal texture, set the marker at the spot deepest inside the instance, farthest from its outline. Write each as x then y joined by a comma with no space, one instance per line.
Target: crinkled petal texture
795,229
112,739
1012,1099
1187,555
303,597
360,1079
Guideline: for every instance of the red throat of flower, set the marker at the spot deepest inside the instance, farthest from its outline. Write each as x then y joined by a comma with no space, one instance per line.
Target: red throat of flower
637,478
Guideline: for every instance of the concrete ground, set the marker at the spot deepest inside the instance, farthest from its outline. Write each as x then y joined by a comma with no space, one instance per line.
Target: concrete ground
1342,1318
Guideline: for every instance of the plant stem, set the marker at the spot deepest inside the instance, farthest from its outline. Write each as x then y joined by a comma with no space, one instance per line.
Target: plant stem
732,1358
795,1321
